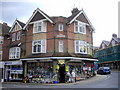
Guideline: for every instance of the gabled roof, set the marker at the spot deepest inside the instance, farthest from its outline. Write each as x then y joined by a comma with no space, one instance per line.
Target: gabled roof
106,42
77,14
21,24
42,13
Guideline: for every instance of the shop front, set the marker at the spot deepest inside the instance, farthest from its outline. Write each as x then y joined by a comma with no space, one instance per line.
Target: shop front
54,69
13,71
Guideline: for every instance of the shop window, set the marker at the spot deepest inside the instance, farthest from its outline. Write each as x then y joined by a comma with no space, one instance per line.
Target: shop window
39,46
39,27
1,40
79,27
14,53
80,47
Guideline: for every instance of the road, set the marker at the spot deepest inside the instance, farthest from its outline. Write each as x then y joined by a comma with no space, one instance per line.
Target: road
109,81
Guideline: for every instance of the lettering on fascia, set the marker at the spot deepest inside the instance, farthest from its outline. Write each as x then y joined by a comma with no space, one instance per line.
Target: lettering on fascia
60,35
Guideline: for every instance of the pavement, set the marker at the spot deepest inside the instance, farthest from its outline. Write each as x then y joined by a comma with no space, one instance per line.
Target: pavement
89,80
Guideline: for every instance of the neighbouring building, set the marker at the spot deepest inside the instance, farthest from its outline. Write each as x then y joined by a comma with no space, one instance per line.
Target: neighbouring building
108,53
4,33
50,46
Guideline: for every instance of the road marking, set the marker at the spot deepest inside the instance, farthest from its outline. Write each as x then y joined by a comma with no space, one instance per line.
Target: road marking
107,77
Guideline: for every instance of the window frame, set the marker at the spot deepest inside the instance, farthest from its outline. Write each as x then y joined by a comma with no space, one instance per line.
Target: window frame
37,24
61,46
1,40
80,26
0,55
60,27
43,46
81,44
13,52
18,35
13,36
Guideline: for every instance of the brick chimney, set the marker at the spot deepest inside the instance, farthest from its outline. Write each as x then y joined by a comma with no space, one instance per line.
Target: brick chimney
75,10
114,35
4,23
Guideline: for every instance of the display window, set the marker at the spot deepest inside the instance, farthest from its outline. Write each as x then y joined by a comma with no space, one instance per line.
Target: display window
40,71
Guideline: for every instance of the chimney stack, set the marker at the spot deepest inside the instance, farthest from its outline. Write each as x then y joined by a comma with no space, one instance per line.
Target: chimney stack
114,35
75,10
4,23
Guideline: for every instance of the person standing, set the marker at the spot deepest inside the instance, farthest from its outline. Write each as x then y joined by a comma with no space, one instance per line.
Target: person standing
73,76
68,75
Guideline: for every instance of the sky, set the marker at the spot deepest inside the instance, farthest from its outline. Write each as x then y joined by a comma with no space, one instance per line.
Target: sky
103,14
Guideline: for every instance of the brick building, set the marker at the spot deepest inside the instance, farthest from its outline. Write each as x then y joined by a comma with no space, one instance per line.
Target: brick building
108,53
49,46
4,34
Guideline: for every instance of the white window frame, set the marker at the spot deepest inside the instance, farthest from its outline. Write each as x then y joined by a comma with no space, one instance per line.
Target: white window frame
18,35
0,55
79,27
61,45
80,45
14,53
13,36
60,27
40,23
113,42
1,39
42,43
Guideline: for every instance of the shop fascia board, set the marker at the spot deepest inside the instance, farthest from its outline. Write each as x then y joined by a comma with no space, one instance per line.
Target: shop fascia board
59,58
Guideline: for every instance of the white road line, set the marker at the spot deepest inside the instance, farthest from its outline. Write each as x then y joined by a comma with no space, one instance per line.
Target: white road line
107,77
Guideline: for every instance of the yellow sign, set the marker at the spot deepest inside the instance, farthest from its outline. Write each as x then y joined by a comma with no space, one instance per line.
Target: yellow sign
61,61
67,68
57,66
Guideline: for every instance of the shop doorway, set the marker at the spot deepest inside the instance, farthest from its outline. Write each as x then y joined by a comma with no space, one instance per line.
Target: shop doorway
62,73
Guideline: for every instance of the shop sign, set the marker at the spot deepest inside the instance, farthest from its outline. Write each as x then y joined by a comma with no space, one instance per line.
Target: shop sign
61,61
13,63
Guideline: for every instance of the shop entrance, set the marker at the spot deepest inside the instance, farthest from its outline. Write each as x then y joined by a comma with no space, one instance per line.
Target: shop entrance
62,73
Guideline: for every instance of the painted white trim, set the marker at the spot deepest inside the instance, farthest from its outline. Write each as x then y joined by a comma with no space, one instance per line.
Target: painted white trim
14,25
85,17
37,10
59,58
38,21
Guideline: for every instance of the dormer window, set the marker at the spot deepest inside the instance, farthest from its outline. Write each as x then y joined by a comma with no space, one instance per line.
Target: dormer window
79,27
60,27
39,27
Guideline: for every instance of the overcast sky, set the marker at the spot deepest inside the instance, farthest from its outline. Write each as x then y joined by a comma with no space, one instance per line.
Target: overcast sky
103,14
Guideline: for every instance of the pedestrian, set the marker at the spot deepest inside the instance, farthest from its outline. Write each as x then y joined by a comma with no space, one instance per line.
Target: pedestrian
73,76
68,77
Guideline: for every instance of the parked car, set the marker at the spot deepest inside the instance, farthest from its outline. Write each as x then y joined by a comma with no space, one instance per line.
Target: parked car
104,70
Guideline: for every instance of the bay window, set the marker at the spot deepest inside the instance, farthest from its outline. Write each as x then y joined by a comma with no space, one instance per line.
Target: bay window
39,46
80,47
14,53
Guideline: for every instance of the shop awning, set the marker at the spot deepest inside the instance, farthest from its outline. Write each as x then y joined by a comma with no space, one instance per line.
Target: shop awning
59,58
